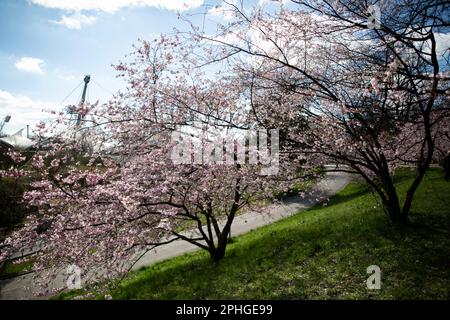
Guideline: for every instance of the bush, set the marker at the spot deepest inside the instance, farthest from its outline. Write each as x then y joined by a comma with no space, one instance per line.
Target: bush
12,209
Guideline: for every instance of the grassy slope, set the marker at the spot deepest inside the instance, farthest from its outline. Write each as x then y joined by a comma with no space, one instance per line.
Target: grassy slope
322,253
10,269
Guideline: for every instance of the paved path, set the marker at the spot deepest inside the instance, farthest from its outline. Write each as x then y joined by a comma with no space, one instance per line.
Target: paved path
19,287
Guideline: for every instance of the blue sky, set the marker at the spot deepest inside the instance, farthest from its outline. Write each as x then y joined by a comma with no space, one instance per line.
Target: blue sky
47,46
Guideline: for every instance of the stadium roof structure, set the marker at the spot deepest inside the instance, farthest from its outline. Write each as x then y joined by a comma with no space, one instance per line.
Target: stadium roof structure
17,140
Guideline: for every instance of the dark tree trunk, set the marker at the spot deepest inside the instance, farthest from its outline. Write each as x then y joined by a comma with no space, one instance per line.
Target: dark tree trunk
410,195
218,252
393,205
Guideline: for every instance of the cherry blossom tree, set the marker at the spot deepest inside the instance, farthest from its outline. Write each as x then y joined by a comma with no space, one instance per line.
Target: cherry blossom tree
111,189
366,90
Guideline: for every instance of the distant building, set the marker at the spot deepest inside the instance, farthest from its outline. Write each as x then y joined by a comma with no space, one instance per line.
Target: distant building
17,140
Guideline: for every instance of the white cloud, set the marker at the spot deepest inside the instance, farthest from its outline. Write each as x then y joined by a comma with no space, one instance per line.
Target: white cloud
264,2
28,64
23,111
112,6
221,11
75,20
442,43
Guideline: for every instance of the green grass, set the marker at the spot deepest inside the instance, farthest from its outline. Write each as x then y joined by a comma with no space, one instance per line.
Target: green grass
321,253
10,269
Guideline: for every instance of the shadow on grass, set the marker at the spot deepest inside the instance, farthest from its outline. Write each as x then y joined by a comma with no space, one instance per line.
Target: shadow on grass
341,198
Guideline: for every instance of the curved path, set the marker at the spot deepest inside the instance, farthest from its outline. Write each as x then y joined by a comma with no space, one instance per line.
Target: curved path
22,287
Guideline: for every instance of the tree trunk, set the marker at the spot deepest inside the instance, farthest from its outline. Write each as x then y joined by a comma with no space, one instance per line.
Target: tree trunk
392,204
394,211
217,253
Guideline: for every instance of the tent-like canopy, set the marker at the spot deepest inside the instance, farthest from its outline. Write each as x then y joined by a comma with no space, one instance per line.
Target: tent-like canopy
18,141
